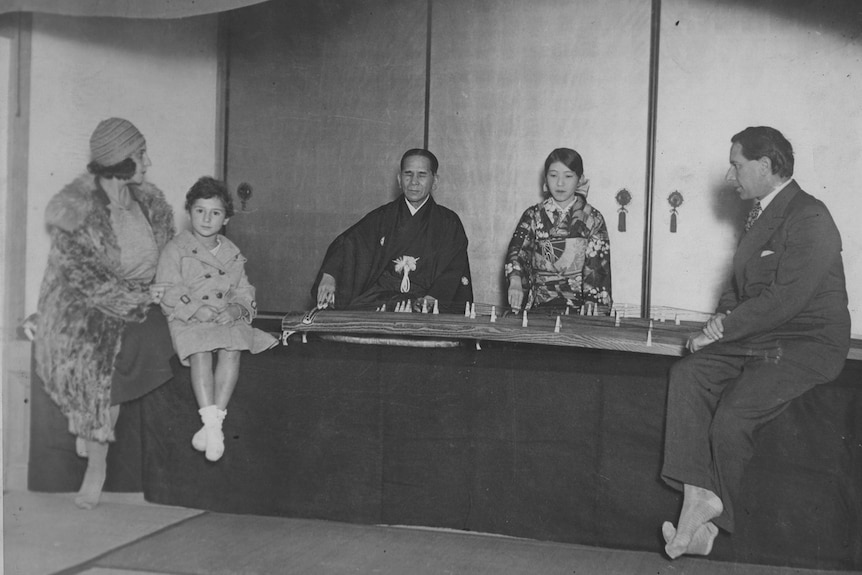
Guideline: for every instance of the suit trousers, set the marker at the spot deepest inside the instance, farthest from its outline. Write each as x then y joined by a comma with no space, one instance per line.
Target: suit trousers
715,404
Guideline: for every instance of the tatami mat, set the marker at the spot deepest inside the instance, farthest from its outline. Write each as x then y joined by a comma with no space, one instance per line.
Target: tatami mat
214,544
44,532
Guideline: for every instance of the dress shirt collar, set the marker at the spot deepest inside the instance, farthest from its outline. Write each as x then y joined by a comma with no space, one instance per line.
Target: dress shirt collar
767,199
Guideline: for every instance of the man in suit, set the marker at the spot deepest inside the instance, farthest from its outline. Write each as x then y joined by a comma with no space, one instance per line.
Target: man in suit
781,328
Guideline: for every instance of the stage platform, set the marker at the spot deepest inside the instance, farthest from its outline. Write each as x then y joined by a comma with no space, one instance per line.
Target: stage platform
530,440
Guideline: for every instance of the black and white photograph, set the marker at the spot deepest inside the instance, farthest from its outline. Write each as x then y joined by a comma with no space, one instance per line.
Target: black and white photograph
431,287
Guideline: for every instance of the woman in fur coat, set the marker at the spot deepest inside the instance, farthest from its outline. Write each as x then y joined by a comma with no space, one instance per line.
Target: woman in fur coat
100,341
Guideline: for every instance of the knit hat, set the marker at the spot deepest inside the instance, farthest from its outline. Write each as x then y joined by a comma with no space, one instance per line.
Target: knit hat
113,141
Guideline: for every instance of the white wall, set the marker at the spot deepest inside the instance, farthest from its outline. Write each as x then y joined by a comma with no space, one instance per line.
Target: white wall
725,67
159,74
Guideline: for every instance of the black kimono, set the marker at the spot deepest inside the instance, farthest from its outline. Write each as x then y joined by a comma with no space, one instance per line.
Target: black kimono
364,259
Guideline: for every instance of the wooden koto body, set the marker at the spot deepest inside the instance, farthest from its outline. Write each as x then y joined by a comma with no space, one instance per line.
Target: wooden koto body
600,332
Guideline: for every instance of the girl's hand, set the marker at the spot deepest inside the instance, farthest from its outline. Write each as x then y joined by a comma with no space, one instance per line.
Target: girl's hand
230,314
157,291
516,294
206,313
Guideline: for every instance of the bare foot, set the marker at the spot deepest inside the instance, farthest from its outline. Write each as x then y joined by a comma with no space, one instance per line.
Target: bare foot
700,506
701,542
81,447
94,478
668,531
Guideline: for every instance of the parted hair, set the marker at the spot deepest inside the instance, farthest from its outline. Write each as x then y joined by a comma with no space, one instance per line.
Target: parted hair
567,156
762,141
206,188
425,154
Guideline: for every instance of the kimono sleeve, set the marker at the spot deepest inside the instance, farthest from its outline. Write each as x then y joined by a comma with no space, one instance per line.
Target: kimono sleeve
597,264
520,251
453,283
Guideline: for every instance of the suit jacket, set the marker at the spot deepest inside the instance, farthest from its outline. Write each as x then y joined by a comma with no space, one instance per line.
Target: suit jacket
788,291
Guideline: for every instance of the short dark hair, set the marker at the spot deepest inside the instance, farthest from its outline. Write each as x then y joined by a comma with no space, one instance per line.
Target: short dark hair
567,156
759,141
122,171
425,154
206,188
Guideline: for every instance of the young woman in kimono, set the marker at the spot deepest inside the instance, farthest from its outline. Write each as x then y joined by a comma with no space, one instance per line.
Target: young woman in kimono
99,340
210,304
560,254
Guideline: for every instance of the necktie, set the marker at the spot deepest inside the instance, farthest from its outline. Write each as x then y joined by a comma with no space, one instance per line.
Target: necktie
752,215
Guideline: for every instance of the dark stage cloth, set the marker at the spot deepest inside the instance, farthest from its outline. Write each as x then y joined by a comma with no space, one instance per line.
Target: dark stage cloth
532,441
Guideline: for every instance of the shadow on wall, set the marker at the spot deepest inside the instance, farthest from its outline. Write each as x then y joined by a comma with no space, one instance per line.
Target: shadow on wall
727,207
843,17
730,211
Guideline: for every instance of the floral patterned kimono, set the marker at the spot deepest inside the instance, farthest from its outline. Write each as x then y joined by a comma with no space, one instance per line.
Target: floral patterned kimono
562,255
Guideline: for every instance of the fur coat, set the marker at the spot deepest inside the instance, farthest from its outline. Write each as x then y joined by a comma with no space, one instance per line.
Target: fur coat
84,302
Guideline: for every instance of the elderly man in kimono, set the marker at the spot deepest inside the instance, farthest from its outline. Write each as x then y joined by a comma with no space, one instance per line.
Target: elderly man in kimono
781,328
409,250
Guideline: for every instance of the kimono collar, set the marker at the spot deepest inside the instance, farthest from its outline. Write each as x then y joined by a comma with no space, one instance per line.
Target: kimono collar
412,209
551,206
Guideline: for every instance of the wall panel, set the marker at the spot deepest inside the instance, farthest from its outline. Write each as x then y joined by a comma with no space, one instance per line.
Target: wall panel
726,65
511,81
325,96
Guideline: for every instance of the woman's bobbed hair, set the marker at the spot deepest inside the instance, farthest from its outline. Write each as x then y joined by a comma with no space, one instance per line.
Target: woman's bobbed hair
122,171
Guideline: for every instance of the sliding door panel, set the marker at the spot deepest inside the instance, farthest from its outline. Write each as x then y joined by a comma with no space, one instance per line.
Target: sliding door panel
324,96
511,81
725,65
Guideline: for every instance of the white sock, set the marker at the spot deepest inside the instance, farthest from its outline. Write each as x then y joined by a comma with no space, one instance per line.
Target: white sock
199,440
212,418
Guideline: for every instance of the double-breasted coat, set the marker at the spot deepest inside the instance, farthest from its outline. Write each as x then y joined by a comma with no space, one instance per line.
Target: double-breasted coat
196,278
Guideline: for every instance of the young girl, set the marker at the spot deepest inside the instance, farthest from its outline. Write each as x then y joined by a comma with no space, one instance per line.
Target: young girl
560,253
210,304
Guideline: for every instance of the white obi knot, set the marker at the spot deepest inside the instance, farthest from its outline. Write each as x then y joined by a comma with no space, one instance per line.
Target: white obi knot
405,265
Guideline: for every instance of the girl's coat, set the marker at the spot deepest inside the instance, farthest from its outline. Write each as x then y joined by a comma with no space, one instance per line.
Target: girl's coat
199,278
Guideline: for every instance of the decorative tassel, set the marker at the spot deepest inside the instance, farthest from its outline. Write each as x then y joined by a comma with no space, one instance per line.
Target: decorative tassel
675,200
623,197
